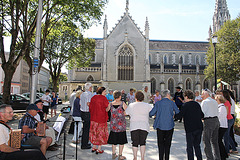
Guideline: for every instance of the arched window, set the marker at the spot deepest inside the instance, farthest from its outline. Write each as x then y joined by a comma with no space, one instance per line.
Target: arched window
181,60
125,63
165,60
171,86
153,85
188,84
206,84
90,78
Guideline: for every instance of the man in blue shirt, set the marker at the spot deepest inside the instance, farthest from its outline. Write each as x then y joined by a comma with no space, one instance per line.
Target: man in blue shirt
110,98
164,111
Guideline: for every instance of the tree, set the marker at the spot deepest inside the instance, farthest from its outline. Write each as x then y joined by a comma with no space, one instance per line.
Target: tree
227,53
62,78
66,44
18,19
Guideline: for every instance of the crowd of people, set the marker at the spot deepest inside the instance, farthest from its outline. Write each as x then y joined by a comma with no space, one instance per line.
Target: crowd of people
207,116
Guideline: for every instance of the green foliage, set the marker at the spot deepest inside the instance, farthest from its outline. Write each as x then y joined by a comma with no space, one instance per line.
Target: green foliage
227,53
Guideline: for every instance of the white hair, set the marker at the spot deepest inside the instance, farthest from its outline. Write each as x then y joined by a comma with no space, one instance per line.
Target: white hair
88,85
207,91
165,93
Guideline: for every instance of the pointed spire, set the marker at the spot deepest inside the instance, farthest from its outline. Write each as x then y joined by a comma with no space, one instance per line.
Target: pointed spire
221,15
147,28
127,4
210,33
105,27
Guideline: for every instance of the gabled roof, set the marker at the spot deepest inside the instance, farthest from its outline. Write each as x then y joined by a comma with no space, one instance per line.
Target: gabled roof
126,14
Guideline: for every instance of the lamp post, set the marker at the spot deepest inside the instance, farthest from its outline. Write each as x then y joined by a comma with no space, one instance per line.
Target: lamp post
214,41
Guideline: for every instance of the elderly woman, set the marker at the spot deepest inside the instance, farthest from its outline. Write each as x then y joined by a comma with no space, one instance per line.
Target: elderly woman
222,116
77,117
139,123
156,97
117,125
98,134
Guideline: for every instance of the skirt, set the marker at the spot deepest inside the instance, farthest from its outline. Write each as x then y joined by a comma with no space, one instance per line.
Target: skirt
117,138
98,134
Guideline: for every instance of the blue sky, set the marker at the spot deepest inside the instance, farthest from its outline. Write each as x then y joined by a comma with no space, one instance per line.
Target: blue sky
187,20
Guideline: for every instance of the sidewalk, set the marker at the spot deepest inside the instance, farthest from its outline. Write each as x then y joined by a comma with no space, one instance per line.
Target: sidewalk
178,148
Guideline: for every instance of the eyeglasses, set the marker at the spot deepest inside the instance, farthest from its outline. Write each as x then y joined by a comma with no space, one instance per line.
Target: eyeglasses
8,112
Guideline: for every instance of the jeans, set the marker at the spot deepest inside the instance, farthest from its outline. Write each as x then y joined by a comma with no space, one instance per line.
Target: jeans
227,139
210,138
86,127
223,152
26,155
78,120
164,138
193,141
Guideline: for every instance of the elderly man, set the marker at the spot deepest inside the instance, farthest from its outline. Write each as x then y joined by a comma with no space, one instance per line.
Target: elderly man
123,96
50,132
164,111
85,115
7,152
147,95
29,129
210,125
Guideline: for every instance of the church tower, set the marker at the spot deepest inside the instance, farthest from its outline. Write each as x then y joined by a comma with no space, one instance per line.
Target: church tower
221,15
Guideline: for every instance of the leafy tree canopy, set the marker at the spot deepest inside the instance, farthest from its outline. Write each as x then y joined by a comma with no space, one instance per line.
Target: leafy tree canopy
227,53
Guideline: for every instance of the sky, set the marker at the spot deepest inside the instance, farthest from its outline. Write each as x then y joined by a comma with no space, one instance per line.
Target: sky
187,20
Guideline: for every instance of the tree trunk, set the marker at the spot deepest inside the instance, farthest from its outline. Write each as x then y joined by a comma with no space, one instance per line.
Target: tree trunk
8,71
55,84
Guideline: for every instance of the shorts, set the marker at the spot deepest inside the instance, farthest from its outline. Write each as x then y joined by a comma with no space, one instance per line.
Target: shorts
54,107
138,137
33,141
45,109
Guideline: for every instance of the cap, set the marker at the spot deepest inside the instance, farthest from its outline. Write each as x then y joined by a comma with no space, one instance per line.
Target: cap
32,107
178,87
38,101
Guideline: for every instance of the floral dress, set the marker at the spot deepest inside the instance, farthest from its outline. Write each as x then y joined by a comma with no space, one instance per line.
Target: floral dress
117,125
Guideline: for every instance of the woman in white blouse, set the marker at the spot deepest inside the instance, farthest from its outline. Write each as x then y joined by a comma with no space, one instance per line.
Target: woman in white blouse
222,116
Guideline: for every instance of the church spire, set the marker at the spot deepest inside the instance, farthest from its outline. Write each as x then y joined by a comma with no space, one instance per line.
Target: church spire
221,15
105,27
127,4
147,28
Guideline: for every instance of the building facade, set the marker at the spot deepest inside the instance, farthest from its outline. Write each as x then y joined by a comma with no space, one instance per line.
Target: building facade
126,58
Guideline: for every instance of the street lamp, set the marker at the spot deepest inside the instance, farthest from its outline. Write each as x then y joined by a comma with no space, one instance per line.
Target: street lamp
215,41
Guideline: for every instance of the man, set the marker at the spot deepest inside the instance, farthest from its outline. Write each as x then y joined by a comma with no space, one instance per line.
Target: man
50,132
46,102
198,97
123,96
85,115
147,95
192,115
7,152
211,125
72,98
29,129
164,111
110,98
179,99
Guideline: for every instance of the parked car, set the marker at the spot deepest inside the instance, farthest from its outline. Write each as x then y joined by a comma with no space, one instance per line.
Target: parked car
28,95
18,102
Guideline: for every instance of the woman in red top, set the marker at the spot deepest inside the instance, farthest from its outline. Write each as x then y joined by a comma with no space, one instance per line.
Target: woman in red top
227,139
98,134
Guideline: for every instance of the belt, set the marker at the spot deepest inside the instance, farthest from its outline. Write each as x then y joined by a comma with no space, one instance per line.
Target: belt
209,117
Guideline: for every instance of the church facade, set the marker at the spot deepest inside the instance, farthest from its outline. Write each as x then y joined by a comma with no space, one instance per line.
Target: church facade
127,58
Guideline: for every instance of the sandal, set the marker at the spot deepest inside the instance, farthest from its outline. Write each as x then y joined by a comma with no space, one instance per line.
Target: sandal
99,151
94,150
120,157
114,156
234,152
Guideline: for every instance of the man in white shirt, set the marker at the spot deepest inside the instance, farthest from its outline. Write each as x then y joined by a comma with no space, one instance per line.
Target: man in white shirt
147,95
46,102
85,115
211,125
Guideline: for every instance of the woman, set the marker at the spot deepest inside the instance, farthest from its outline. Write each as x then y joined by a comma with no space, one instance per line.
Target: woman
130,96
227,139
117,125
222,116
139,123
77,118
157,96
54,101
98,134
